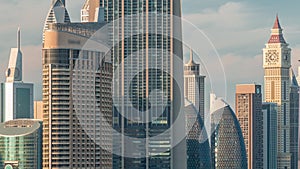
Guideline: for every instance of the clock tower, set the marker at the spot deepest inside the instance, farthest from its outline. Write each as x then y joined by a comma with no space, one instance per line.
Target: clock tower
277,82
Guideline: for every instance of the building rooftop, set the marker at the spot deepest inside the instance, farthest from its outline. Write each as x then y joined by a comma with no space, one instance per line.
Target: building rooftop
20,127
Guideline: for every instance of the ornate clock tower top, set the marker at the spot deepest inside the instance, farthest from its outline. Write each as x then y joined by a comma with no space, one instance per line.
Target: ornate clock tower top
277,36
276,53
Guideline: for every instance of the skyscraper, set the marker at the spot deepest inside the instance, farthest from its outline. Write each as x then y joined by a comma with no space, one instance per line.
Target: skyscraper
294,119
16,97
269,111
248,108
197,142
278,86
298,80
21,144
147,98
227,143
77,98
194,84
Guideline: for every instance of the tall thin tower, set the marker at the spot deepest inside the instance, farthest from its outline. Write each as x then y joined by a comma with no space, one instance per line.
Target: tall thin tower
194,84
248,108
277,65
16,99
147,97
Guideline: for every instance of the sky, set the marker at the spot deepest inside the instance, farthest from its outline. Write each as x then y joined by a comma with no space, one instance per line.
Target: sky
237,29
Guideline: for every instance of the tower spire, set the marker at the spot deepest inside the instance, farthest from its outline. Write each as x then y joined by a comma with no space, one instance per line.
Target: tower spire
276,35
277,23
19,39
191,55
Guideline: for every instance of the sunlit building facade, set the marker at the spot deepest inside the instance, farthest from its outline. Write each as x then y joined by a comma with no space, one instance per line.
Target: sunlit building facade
77,98
248,109
281,88
194,84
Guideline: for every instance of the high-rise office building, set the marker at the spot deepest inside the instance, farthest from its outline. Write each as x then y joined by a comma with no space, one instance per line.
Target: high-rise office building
194,84
269,111
147,97
278,89
77,99
16,97
294,119
227,143
197,142
298,80
21,144
248,108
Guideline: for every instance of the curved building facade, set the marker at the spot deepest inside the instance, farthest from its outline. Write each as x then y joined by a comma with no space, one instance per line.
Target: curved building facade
198,149
21,144
227,143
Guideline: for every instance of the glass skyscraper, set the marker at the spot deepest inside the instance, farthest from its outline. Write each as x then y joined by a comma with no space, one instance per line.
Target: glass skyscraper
227,143
197,142
269,111
147,99
21,144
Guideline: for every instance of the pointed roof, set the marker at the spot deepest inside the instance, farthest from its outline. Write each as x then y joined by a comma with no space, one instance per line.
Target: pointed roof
14,69
277,23
277,36
293,78
191,61
57,14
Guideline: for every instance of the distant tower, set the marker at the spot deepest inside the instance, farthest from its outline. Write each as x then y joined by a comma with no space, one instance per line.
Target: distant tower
198,149
294,119
194,84
16,96
92,11
248,107
278,87
269,111
298,80
227,143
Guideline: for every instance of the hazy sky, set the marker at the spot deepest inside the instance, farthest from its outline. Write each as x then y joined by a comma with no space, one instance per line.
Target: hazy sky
237,29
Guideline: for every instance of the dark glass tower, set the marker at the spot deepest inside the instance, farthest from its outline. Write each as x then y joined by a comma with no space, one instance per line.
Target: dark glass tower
146,97
198,149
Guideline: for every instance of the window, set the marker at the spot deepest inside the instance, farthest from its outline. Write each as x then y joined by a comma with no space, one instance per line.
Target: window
284,90
272,90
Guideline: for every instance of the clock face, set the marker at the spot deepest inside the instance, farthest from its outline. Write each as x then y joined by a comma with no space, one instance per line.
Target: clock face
272,57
